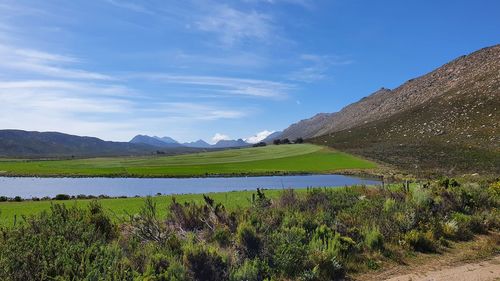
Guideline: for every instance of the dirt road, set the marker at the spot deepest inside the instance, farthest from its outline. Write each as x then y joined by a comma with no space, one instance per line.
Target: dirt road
481,271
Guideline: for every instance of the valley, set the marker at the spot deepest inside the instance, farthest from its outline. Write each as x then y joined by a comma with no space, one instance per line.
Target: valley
269,160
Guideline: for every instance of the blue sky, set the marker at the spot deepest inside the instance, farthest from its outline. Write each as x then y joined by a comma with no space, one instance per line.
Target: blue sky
217,69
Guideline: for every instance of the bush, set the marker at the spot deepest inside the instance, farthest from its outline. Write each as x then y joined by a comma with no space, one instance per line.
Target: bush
324,251
60,245
222,236
259,144
204,264
248,240
251,270
289,247
374,240
62,197
3,199
420,241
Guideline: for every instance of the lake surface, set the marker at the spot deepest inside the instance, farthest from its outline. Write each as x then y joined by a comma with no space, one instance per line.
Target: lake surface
40,187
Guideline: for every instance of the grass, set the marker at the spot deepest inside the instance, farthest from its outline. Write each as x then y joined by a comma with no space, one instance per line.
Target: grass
119,208
282,159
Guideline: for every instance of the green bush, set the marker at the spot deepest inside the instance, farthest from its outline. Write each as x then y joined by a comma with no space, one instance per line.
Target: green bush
374,240
420,241
250,270
289,247
61,244
62,197
248,240
205,264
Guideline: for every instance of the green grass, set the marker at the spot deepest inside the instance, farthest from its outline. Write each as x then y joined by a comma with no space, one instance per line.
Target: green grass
298,158
119,208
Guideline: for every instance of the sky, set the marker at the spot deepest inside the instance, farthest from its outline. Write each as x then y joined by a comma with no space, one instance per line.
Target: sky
216,70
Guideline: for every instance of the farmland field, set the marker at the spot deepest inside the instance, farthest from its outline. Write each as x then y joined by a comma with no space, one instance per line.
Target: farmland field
282,159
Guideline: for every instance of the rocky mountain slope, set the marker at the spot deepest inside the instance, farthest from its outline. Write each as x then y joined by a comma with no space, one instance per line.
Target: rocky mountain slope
479,68
446,121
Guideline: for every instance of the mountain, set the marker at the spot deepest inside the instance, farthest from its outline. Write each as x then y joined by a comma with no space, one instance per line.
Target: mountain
446,121
273,136
230,143
166,139
197,144
164,142
18,143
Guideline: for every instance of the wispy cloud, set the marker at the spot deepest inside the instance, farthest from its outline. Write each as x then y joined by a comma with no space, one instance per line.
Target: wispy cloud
227,85
130,6
232,25
197,111
44,63
316,67
304,3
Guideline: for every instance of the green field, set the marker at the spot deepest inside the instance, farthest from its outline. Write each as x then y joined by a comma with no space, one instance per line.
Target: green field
119,208
298,158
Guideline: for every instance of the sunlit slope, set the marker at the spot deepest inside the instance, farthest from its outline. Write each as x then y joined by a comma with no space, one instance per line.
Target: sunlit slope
298,158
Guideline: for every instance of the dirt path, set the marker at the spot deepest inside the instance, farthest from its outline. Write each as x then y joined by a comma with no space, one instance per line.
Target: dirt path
480,271
476,260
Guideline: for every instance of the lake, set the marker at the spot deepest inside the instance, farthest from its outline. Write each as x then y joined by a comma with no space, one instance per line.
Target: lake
39,187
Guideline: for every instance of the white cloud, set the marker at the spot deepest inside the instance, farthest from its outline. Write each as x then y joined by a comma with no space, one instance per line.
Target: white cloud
232,25
131,6
44,63
198,111
259,136
218,137
316,67
227,85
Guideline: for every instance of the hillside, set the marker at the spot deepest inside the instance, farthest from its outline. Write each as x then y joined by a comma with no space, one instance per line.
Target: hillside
18,143
446,121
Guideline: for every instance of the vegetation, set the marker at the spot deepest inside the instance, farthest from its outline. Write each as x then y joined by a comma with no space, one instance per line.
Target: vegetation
300,158
320,234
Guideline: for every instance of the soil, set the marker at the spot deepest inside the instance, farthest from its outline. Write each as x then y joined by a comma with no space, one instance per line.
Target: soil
476,260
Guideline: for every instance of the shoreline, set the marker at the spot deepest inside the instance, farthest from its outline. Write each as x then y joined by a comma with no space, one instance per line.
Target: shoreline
355,173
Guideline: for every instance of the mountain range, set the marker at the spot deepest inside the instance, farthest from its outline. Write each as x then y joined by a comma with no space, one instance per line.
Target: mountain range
446,121
17,143
167,142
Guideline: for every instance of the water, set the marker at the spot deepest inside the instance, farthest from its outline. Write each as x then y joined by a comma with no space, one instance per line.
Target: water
40,187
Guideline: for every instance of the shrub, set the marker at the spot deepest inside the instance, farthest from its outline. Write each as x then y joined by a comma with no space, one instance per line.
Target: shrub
204,264
289,251
259,144
248,240
3,199
251,270
222,236
374,240
62,197
325,249
17,199
60,245
420,241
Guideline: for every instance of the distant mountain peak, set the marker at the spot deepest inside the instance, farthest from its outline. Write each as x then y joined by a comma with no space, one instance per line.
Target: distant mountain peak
155,141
